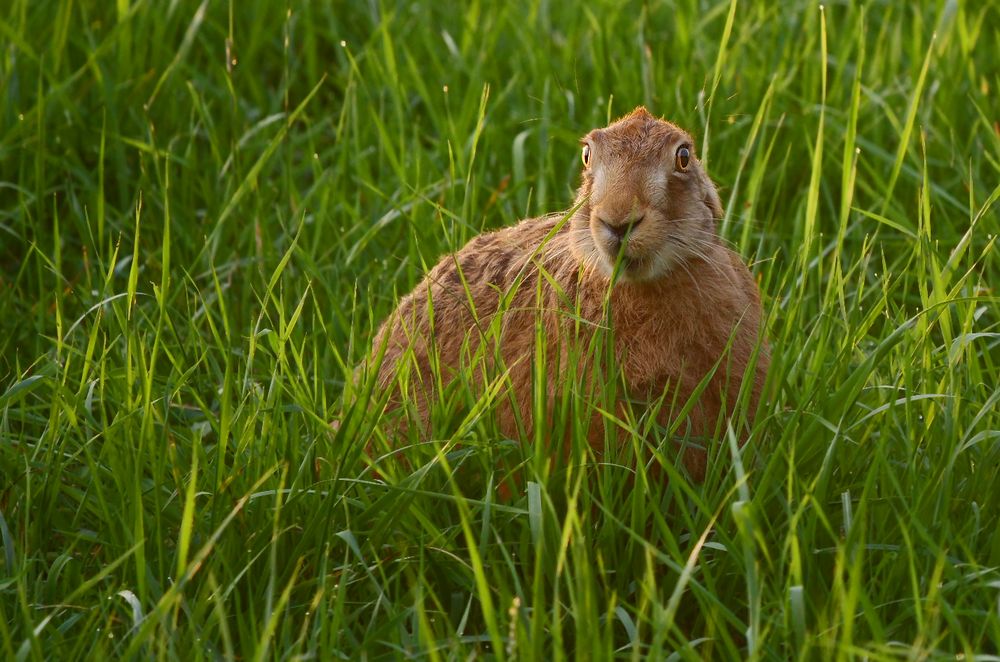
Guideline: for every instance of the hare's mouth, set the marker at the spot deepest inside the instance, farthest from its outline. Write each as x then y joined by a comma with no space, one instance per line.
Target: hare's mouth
621,257
634,265
627,264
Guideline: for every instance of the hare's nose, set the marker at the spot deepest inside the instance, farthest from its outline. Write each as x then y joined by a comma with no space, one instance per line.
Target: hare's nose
620,229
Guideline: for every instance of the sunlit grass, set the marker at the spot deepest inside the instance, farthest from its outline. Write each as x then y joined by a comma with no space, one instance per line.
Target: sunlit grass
207,209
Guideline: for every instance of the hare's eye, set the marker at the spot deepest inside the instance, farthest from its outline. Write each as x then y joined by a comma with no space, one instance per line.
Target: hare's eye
683,158
586,156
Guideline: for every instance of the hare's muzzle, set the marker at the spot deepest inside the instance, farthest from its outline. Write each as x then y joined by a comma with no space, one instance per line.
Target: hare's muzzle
616,231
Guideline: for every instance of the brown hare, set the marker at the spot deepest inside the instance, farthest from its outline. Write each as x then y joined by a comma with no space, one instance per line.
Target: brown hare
637,254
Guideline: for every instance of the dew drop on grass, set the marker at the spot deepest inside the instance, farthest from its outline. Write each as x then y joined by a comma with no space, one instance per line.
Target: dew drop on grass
343,44
20,116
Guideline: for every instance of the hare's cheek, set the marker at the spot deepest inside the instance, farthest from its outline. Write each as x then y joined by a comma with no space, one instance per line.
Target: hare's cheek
596,236
600,183
657,184
710,199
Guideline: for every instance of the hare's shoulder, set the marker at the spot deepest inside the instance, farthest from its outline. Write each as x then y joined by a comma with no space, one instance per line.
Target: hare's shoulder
492,258
527,235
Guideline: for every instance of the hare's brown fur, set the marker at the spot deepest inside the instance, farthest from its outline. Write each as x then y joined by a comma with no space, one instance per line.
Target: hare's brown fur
679,297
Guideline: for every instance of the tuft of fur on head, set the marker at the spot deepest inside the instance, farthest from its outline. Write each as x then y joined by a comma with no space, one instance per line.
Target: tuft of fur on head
638,210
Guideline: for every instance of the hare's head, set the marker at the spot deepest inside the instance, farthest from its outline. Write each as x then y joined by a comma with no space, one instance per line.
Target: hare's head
645,204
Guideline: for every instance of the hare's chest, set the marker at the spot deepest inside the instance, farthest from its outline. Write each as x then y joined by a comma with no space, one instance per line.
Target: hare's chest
655,345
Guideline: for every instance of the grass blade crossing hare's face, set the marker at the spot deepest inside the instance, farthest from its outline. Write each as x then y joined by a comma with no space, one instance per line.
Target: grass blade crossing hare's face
645,203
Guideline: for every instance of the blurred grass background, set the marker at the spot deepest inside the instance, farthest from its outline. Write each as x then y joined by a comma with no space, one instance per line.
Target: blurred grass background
206,209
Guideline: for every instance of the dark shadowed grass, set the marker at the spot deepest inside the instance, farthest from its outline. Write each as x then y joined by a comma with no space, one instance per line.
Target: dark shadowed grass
206,209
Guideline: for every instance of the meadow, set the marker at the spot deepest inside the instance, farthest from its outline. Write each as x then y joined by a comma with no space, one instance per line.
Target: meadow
206,209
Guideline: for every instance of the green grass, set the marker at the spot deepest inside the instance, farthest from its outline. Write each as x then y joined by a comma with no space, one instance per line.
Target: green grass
206,210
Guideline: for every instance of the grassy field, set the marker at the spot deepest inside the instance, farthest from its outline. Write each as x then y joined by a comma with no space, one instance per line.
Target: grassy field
206,209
